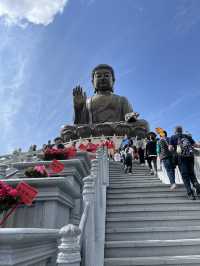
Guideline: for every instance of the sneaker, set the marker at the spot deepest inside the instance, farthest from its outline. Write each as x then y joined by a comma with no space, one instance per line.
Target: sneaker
173,187
191,197
198,192
151,172
197,188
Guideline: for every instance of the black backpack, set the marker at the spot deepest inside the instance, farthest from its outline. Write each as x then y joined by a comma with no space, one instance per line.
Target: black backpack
184,147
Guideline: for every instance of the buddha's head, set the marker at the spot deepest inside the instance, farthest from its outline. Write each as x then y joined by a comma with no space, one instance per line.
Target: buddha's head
103,78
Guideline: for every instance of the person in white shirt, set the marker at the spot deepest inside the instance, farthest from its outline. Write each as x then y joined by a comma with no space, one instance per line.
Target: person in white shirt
117,157
128,159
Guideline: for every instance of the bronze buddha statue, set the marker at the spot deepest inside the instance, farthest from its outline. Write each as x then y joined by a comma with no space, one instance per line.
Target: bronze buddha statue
105,113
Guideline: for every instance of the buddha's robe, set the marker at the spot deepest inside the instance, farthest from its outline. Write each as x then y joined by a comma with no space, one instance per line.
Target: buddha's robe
103,108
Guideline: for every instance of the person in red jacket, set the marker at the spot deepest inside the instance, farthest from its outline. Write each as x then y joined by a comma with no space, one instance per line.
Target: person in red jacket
111,147
91,147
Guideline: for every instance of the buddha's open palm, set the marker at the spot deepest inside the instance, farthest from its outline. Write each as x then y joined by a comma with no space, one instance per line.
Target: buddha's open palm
79,97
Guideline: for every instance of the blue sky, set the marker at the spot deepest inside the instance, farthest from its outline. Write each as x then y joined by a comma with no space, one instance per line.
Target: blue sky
48,47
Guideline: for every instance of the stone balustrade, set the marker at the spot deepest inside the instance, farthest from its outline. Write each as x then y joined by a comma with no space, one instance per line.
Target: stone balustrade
60,195
30,235
88,238
28,247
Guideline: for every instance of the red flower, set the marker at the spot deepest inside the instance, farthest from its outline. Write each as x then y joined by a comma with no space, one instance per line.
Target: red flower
2,193
13,192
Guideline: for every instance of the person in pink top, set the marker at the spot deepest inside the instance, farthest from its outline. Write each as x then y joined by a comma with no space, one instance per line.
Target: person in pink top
111,147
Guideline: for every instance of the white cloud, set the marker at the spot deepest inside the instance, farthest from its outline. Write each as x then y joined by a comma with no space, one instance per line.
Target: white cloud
20,12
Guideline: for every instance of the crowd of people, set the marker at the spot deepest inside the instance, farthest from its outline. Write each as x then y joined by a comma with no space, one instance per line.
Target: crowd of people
174,151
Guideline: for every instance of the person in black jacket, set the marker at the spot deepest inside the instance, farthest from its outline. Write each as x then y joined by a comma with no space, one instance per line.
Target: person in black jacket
151,153
58,143
166,157
183,145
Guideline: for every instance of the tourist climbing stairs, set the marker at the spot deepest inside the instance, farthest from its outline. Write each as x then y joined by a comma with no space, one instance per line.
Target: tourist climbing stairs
147,224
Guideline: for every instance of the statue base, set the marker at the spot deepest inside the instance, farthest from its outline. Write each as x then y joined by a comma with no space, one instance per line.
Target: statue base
139,128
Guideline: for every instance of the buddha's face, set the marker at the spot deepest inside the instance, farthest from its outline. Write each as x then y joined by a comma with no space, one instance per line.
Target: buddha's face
103,80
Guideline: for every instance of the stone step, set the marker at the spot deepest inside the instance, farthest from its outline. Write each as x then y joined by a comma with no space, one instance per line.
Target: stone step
135,168
190,260
139,188
149,225
133,184
146,178
120,164
127,181
141,169
156,212
146,248
160,221
155,202
147,195
133,174
130,177
157,233
140,185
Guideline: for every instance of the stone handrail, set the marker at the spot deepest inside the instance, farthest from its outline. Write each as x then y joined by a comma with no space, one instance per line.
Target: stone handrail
28,246
20,157
83,222
88,239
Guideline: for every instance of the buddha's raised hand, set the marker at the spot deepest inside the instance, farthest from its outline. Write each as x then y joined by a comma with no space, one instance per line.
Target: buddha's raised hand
79,97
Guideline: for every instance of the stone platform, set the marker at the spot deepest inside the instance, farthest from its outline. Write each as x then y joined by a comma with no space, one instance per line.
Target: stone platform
73,132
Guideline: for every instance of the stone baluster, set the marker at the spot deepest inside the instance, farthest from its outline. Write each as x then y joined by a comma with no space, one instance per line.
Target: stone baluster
95,174
3,171
28,157
89,232
105,168
69,249
94,166
99,156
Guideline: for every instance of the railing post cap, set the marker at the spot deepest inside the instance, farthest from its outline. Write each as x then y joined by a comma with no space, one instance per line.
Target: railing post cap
88,178
70,230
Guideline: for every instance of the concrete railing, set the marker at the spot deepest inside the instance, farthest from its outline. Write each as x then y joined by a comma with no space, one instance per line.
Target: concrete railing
61,195
59,202
28,247
162,174
84,245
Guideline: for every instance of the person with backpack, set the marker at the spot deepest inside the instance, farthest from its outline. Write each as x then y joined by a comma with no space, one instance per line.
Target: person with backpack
128,159
183,145
166,158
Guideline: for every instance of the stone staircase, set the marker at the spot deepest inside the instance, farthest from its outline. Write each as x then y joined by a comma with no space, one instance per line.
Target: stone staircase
147,224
